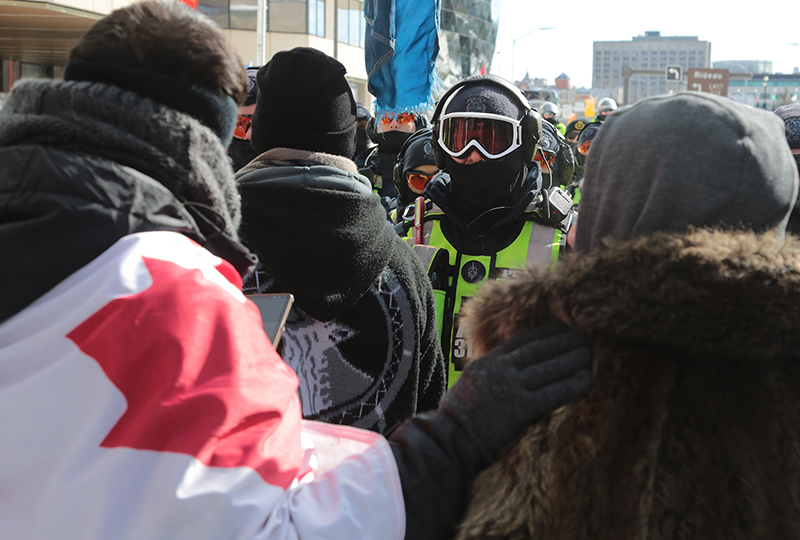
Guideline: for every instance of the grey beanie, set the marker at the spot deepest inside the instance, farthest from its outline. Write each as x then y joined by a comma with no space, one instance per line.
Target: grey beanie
689,159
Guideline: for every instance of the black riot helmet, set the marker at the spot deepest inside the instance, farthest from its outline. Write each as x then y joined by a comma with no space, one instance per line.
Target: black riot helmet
555,157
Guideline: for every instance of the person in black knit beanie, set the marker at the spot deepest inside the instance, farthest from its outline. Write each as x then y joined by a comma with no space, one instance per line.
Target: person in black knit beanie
316,112
362,333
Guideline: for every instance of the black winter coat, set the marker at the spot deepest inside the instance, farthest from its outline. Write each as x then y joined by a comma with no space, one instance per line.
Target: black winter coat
362,332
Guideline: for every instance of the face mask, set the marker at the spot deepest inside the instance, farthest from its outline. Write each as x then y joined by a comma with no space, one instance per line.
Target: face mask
392,141
241,153
486,184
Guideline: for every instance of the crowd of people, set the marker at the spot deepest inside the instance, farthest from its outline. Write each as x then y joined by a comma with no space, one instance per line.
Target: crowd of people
503,327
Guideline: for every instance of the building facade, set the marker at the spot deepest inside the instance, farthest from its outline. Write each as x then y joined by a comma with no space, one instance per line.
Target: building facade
756,67
336,27
467,38
37,36
650,52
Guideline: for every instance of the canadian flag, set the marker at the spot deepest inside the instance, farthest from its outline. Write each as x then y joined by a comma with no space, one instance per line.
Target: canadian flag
140,399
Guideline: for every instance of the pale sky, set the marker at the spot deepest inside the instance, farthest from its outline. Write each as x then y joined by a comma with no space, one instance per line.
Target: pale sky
737,30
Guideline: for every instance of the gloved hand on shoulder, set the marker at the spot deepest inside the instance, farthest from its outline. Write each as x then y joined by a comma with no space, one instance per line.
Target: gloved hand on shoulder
509,388
439,453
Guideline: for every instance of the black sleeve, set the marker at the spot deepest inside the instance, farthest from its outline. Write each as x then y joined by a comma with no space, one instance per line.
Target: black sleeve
437,462
433,366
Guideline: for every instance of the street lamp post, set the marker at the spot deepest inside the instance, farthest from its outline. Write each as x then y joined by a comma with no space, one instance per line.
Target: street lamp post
514,43
261,32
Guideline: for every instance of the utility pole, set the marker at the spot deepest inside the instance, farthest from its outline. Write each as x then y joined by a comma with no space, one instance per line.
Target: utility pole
261,32
336,29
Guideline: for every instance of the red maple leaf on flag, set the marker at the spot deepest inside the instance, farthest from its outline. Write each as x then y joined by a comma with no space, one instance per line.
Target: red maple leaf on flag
191,3
198,374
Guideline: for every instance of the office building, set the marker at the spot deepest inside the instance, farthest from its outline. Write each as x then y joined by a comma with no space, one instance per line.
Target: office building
336,27
756,67
37,36
467,38
650,52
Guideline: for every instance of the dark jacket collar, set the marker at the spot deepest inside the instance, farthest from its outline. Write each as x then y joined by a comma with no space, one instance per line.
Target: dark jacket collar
317,228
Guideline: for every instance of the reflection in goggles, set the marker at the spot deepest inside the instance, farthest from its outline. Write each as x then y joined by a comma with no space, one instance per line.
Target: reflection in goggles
583,148
545,160
419,180
495,136
402,118
242,125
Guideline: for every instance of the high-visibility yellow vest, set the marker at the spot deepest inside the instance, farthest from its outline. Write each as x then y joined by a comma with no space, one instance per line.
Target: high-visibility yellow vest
537,245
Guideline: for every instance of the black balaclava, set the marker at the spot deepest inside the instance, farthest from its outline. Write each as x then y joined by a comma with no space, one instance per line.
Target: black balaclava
688,159
390,142
493,183
418,152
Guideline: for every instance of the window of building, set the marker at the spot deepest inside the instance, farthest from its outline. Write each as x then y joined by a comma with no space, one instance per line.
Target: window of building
287,16
217,10
35,71
350,22
316,17
244,14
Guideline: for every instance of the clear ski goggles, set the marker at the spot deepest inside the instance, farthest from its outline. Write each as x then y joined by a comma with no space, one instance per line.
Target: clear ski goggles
493,135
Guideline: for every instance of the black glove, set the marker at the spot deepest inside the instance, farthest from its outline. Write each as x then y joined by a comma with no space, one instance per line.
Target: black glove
504,391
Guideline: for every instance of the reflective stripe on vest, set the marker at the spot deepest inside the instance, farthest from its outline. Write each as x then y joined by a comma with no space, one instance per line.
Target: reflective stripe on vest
536,246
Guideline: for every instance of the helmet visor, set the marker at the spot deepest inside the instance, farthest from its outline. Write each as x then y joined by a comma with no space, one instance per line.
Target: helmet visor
494,135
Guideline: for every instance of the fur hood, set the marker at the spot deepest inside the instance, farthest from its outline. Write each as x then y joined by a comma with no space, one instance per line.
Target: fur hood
693,426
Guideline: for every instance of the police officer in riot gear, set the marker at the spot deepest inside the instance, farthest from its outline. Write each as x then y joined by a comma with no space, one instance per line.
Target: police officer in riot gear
549,112
388,131
487,215
605,107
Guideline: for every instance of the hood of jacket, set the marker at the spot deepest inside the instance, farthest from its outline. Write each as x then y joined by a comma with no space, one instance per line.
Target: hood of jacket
688,159
704,293
84,164
317,227
690,430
